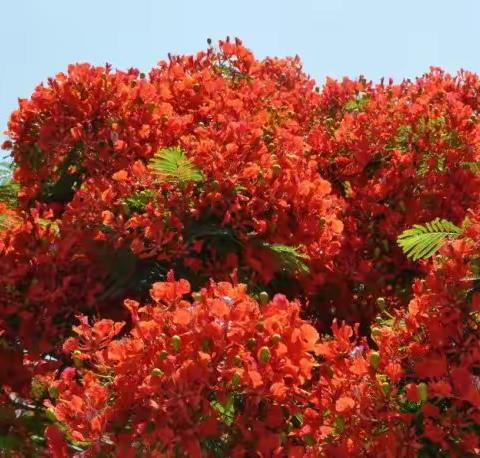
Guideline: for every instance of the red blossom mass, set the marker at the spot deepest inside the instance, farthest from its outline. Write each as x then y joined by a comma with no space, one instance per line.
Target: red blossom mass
203,261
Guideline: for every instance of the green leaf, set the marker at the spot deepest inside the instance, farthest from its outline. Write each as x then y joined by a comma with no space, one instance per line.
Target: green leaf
172,164
120,265
7,221
8,193
289,257
226,411
211,230
8,188
356,104
10,442
49,224
137,201
423,241
5,172
473,166
66,180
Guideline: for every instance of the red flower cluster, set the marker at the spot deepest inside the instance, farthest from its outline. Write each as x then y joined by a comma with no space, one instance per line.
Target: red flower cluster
217,370
246,182
400,154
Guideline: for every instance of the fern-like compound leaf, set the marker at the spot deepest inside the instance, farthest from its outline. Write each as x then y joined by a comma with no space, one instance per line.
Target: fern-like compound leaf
423,240
172,164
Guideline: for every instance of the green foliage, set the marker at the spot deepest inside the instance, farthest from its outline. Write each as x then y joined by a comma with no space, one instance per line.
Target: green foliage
431,162
137,201
8,188
7,222
126,272
356,104
173,165
9,442
422,241
120,265
433,128
69,174
226,410
289,257
8,194
403,137
216,447
62,190
224,235
474,167
50,225
5,172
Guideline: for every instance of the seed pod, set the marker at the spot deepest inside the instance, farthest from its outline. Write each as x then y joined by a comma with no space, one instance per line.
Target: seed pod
196,296
237,361
263,298
251,343
176,342
259,326
374,359
264,355
422,390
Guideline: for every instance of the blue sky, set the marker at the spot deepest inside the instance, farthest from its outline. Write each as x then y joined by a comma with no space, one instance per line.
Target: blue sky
397,38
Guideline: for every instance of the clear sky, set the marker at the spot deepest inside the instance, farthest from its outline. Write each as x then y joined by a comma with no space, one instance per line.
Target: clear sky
398,38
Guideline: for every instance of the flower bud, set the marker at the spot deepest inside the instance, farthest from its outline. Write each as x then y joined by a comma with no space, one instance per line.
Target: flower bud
176,342
163,354
264,355
386,387
374,359
422,390
251,343
381,303
263,298
157,372
275,338
276,169
236,379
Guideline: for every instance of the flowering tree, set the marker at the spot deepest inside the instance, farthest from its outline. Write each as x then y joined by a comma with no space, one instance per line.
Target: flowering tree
221,259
